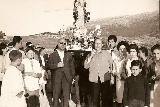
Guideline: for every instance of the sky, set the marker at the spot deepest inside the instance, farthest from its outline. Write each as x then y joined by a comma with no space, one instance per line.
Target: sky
28,17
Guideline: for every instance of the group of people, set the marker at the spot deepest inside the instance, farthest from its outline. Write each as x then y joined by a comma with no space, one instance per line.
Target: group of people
22,75
123,75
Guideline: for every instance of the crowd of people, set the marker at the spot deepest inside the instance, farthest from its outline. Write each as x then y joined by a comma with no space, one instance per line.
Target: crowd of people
123,75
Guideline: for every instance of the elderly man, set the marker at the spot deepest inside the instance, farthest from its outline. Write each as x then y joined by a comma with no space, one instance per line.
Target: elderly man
99,63
62,68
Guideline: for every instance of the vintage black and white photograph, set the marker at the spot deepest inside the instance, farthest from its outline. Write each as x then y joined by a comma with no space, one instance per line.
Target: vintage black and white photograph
79,53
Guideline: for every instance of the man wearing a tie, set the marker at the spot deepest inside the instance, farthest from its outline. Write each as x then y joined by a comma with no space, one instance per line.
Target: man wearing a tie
62,68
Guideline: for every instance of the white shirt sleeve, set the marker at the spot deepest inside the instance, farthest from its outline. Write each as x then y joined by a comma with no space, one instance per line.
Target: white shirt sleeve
12,84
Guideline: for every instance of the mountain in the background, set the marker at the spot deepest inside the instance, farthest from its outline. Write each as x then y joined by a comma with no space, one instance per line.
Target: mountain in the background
129,25
141,28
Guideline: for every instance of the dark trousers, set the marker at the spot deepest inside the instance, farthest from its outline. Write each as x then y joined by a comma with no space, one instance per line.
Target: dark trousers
61,89
136,103
50,96
101,92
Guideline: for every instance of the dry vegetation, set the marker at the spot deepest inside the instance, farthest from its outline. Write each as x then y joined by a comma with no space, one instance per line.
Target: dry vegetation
141,28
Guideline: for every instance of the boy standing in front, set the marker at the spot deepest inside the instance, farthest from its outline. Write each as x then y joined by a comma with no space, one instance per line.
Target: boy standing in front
136,91
13,85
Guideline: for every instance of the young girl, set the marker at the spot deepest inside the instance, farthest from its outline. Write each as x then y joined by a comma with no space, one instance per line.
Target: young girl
32,75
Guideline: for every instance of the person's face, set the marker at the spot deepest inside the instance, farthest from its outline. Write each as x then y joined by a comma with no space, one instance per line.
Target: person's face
141,54
135,70
20,44
122,50
111,43
30,54
62,44
133,53
156,54
19,60
98,45
4,51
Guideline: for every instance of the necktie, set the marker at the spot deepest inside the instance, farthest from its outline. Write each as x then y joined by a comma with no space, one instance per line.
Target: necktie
31,61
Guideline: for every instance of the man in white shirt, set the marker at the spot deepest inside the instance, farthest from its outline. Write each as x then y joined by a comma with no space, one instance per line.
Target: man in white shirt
99,63
62,68
17,44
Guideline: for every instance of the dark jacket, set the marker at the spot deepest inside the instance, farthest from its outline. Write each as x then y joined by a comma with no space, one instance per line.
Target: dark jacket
151,72
68,69
136,87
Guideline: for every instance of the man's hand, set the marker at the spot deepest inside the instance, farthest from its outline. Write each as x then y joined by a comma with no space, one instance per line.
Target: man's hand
93,53
153,77
91,56
19,95
60,64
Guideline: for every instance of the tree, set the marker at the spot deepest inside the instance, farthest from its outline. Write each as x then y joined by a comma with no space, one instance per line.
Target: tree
2,35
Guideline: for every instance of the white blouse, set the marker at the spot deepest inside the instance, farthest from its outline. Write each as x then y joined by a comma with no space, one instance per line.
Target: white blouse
31,83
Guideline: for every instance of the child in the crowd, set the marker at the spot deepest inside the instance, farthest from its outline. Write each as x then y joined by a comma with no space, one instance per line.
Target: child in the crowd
154,77
32,74
13,85
136,91
133,55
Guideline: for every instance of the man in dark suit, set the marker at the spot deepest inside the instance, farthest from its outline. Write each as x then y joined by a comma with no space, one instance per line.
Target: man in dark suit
62,68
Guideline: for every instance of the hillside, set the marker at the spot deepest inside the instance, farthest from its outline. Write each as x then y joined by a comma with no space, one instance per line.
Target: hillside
129,26
142,28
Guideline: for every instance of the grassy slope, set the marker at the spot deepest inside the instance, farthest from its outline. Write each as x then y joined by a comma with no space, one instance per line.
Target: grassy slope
141,27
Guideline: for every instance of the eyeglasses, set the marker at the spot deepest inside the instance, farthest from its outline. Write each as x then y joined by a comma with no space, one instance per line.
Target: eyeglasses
62,43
